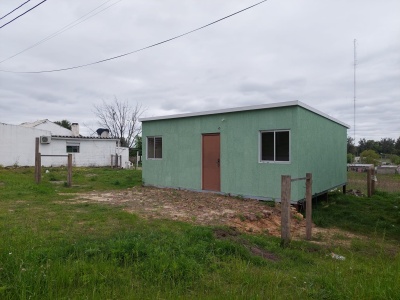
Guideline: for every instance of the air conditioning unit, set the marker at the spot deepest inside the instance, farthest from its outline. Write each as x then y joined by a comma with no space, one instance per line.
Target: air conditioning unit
45,139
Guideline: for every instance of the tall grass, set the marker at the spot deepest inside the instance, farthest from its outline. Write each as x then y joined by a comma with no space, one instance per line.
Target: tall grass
54,248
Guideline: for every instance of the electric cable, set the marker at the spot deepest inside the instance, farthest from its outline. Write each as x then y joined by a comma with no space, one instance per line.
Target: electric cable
22,14
65,28
138,50
14,10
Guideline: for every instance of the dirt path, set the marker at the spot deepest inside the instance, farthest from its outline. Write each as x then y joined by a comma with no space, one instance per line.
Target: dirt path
244,215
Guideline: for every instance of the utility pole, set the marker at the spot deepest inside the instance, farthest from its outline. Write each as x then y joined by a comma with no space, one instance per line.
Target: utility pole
355,88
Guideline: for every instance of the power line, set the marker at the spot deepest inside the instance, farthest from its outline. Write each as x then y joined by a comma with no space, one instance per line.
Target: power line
65,28
23,13
138,50
14,10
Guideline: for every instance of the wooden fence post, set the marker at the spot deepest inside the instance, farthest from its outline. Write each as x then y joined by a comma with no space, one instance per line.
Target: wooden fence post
369,194
285,210
39,168
308,205
69,174
372,181
36,160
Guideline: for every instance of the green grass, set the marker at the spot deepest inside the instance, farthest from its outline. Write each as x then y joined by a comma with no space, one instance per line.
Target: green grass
386,183
378,215
55,248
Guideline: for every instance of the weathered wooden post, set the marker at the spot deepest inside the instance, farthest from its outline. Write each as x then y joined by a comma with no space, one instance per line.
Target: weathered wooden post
69,174
37,165
285,210
308,205
39,168
369,190
373,181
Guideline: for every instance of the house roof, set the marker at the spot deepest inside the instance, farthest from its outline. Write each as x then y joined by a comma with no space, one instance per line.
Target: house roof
247,108
34,124
80,137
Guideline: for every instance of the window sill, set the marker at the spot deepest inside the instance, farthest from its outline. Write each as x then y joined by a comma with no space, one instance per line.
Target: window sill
275,162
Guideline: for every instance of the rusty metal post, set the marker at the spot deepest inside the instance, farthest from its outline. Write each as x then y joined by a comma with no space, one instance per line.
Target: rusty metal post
69,174
285,210
308,205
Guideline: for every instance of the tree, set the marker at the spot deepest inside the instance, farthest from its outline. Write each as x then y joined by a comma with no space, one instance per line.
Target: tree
394,159
397,146
136,147
64,123
350,158
351,148
121,119
370,157
369,145
387,145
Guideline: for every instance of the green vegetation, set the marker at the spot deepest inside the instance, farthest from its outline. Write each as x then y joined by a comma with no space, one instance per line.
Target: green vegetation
385,146
378,215
389,183
394,159
64,123
369,157
53,247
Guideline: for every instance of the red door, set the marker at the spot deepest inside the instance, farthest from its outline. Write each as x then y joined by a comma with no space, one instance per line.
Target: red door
211,162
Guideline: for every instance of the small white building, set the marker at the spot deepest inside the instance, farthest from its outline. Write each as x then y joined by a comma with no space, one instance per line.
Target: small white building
17,146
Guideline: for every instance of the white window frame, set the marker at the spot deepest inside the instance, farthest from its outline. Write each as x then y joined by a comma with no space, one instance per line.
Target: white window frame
260,160
154,150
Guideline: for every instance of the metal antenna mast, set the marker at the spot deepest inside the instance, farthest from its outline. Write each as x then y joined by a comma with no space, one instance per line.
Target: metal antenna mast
355,65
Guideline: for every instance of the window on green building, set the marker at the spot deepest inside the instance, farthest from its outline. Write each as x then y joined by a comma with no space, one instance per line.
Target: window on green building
275,146
154,147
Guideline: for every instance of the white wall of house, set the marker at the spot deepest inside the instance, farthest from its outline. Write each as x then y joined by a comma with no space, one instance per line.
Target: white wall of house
92,152
17,144
124,153
17,147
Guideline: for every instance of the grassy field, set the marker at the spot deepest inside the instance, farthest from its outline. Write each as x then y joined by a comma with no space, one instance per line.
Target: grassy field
55,248
384,183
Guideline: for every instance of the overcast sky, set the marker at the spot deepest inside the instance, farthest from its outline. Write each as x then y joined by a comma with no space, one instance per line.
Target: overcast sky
280,50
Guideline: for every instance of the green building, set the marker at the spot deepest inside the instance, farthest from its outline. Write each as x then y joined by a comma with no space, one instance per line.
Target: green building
244,151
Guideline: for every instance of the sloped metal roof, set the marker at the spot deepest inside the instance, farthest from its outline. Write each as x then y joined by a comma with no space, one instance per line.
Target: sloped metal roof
247,108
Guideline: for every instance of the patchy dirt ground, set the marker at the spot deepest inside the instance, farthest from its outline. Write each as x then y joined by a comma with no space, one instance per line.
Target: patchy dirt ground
245,215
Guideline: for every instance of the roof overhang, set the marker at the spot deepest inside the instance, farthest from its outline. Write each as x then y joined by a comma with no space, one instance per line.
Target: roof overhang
246,108
67,137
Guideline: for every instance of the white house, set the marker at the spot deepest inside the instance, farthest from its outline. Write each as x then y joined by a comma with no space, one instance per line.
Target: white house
17,146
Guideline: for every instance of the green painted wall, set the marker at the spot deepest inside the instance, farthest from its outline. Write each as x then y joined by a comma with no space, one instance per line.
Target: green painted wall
241,171
323,152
